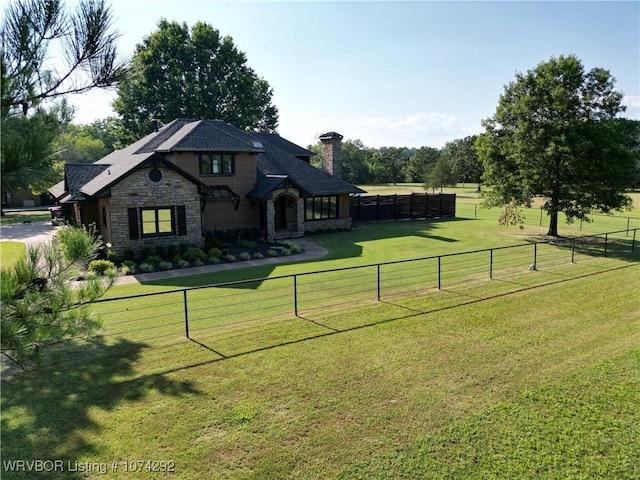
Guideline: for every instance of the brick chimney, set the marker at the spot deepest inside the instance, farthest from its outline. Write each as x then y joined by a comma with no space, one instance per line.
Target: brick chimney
332,153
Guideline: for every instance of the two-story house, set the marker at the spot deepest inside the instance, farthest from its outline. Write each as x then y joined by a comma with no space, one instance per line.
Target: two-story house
192,176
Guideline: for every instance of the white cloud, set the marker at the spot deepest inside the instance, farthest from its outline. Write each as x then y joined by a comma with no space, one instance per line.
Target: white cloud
632,102
427,129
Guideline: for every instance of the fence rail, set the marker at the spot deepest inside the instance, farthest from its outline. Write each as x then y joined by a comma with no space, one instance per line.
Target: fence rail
267,310
538,217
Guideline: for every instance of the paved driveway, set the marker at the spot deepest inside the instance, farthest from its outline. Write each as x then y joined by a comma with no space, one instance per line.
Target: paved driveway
29,233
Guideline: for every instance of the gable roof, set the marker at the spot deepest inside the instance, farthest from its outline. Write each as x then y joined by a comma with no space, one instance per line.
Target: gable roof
76,175
276,160
275,165
282,144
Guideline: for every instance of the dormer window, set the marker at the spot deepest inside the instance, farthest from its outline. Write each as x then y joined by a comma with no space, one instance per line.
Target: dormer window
212,164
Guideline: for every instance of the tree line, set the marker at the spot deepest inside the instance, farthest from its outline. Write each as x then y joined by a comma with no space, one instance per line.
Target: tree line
456,162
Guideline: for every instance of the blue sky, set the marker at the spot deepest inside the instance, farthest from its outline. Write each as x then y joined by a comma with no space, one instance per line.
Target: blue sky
396,73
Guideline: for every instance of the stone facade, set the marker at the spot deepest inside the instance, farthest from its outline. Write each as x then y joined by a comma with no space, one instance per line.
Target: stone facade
138,190
328,224
331,146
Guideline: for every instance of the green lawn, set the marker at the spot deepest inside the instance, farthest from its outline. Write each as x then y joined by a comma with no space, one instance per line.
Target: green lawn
19,217
529,375
11,252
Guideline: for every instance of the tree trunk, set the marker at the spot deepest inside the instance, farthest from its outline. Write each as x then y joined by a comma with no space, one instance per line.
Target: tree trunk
553,223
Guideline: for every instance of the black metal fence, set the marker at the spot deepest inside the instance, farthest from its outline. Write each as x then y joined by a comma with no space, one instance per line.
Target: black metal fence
599,222
398,207
234,317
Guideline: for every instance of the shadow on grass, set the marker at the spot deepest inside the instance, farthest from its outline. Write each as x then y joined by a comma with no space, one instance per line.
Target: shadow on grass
340,245
402,312
45,412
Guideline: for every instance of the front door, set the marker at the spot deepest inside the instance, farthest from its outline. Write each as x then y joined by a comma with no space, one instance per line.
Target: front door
281,213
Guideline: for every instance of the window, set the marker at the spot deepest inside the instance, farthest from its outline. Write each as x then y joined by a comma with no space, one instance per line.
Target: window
217,164
157,221
148,222
320,208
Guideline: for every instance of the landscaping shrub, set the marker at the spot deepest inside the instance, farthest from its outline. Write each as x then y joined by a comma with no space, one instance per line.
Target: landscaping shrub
146,267
153,260
215,253
79,245
100,266
272,252
124,270
245,256
164,265
182,263
177,259
145,252
229,257
130,264
183,247
258,255
194,253
111,255
248,244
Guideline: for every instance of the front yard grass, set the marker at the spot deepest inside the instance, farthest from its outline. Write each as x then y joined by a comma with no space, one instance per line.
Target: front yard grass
473,381
11,252
505,388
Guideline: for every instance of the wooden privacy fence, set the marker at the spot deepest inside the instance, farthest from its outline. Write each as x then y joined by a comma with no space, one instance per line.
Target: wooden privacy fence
397,207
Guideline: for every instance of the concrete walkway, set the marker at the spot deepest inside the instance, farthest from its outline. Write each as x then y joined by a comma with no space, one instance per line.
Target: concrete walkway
29,233
311,252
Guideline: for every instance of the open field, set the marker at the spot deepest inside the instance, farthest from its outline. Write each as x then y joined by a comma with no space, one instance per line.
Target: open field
528,375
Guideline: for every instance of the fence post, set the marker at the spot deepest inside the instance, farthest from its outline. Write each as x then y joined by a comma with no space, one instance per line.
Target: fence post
395,206
295,295
411,206
378,207
378,265
540,216
439,282
573,250
535,256
606,241
186,313
633,240
491,263
627,232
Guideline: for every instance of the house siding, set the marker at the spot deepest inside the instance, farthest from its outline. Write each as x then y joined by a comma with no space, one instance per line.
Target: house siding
138,191
223,213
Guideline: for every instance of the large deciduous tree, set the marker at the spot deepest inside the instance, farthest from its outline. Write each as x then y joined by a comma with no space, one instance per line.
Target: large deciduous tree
196,74
463,158
555,135
421,163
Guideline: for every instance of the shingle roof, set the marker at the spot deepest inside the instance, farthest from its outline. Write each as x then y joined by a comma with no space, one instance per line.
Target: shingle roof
282,143
209,136
276,160
78,174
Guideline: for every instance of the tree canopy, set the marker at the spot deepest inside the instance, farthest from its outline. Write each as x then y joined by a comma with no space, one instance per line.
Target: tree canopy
182,73
555,135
